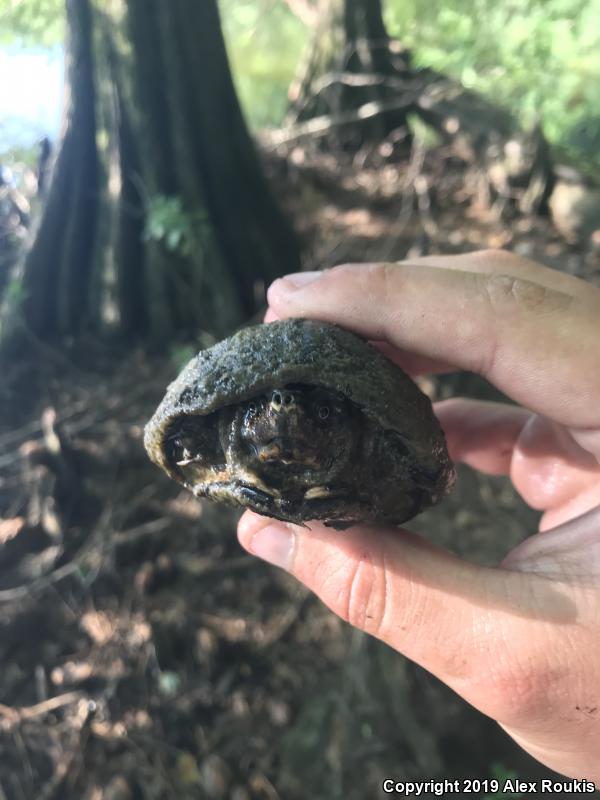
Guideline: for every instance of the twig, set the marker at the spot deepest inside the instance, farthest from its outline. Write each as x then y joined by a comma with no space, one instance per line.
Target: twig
26,589
145,529
359,80
320,126
35,427
276,629
51,788
26,761
14,715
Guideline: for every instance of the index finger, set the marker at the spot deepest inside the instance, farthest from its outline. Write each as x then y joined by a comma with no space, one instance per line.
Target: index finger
537,344
506,263
409,362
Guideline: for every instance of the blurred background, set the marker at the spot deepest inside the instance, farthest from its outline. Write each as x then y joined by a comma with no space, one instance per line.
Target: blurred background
160,164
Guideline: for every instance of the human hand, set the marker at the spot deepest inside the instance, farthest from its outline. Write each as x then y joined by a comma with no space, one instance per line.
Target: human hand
520,642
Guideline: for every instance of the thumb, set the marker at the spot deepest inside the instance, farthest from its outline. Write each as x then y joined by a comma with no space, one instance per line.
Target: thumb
389,583
446,614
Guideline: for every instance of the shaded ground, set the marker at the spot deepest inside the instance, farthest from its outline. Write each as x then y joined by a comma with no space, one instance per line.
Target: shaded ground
144,655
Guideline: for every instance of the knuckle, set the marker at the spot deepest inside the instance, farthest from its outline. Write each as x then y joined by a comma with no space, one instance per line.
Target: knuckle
509,299
366,597
381,282
509,294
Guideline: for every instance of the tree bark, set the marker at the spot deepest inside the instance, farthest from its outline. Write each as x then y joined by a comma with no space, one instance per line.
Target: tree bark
57,268
169,227
195,146
258,245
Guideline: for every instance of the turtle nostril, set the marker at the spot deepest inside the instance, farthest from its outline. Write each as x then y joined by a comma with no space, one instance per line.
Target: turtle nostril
282,399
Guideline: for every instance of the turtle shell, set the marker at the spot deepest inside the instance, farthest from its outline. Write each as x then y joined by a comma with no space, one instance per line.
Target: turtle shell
207,433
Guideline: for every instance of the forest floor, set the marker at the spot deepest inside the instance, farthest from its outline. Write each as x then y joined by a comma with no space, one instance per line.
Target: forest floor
143,654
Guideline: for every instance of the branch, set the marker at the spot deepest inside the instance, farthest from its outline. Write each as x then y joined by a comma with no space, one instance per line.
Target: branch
359,80
320,126
12,714
306,12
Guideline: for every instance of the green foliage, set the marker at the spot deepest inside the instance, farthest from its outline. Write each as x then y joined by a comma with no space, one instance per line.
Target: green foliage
423,133
168,222
265,42
502,774
182,353
23,156
540,57
14,293
32,23
169,683
12,298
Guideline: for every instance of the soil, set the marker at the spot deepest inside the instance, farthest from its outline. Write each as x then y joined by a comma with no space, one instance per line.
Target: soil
144,655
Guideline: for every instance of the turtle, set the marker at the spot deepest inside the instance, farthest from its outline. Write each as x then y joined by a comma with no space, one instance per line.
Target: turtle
302,420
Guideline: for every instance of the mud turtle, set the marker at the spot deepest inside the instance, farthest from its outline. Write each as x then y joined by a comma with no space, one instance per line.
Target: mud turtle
302,420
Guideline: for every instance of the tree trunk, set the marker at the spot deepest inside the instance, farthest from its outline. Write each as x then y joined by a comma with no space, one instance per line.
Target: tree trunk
348,64
357,86
169,228
57,268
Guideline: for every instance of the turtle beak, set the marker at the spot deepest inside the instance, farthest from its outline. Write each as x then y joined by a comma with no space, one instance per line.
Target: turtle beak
279,450
270,452
287,451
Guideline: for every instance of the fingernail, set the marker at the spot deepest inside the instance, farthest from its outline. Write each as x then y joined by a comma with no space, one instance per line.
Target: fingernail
298,280
274,544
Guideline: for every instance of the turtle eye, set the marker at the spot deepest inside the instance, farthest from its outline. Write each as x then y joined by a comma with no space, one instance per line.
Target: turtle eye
323,412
